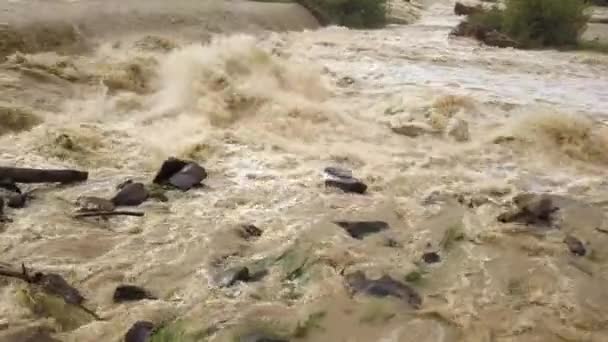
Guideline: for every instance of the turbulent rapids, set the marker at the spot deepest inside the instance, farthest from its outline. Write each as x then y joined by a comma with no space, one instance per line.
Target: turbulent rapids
486,173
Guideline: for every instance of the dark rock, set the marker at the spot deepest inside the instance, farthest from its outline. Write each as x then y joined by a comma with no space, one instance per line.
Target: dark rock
128,293
462,9
260,337
347,185
498,39
131,194
180,174
360,229
431,257
141,331
248,231
55,284
170,167
343,180
9,185
383,287
531,209
231,276
575,245
191,175
89,203
17,201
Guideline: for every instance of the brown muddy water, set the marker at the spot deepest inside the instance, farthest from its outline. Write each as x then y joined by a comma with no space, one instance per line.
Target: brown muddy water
445,132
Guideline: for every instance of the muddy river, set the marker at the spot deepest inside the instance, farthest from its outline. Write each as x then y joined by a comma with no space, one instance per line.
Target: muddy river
446,133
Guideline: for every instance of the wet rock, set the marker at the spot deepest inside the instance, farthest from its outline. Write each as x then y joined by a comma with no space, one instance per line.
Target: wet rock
343,180
361,229
231,276
487,35
131,194
55,284
412,129
9,185
531,209
431,257
249,231
130,293
462,9
17,201
575,245
141,331
458,129
261,337
89,203
383,287
180,174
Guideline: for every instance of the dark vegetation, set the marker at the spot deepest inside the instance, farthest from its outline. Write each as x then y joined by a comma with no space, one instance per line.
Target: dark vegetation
529,24
349,13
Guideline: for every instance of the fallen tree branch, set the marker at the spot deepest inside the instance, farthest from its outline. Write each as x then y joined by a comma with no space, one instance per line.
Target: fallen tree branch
27,175
108,213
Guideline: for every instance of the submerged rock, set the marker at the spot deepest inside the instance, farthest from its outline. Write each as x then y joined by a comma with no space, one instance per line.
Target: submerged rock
383,287
458,129
431,257
412,129
141,331
249,231
531,209
89,203
131,194
575,245
232,276
361,229
128,293
17,201
55,284
180,174
343,180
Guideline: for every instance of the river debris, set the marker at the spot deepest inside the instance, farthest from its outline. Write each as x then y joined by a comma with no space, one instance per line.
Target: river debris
361,229
27,175
249,231
140,331
531,209
239,274
383,287
109,213
52,284
343,179
131,293
130,194
180,174
575,245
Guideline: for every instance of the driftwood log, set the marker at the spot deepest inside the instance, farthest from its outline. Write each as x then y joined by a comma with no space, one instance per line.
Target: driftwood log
108,213
27,175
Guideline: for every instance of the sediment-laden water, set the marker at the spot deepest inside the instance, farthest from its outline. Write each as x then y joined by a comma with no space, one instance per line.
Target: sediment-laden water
445,132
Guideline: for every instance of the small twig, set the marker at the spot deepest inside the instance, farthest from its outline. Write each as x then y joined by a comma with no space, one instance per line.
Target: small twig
602,230
109,213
